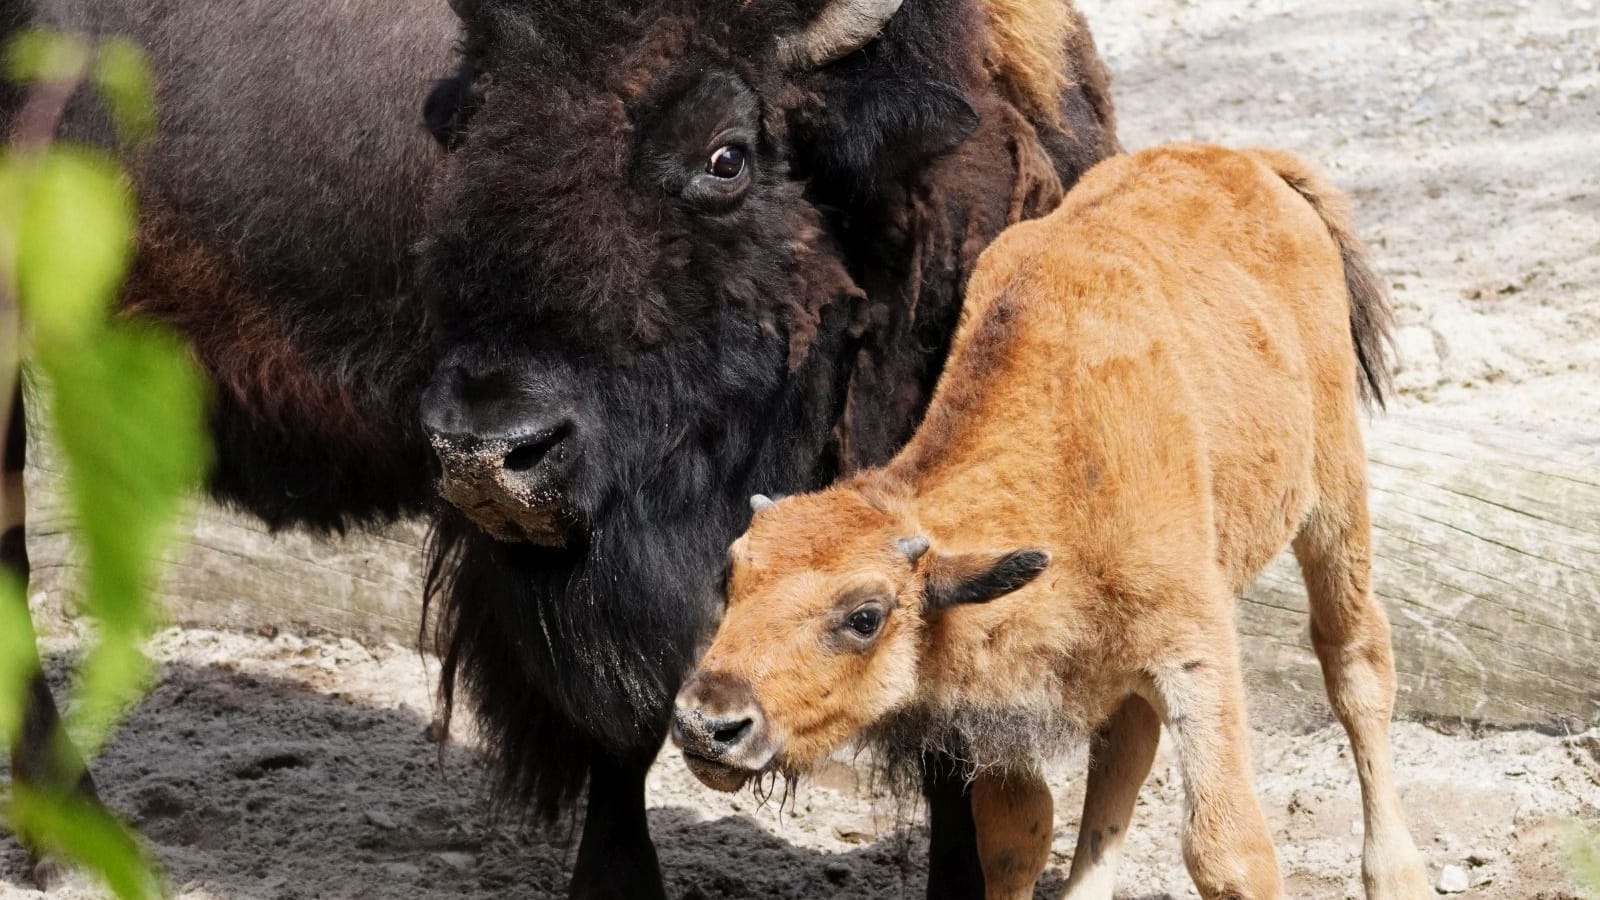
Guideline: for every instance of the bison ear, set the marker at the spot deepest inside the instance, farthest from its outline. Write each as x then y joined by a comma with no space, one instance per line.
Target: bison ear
879,128
980,577
450,106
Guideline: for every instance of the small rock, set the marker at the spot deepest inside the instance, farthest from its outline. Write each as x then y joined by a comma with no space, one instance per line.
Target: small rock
461,862
850,835
1480,857
381,819
837,873
1452,880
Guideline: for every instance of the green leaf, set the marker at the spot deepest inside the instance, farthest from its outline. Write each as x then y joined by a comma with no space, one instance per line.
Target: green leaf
84,832
18,656
1583,853
129,419
37,54
122,72
73,240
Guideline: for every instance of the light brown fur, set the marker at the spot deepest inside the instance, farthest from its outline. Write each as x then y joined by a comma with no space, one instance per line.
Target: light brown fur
1157,384
1038,49
1026,52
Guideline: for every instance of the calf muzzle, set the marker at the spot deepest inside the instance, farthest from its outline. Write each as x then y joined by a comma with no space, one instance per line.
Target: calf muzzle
722,731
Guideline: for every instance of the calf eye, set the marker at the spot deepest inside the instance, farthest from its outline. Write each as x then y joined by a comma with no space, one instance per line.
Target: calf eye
865,621
727,162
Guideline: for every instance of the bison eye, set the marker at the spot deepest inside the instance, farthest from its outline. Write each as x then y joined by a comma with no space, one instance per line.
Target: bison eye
865,621
727,162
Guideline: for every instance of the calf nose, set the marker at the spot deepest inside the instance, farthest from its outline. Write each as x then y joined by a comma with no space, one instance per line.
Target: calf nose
718,719
710,736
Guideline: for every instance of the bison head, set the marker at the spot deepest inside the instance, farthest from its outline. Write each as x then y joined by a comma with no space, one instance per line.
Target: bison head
629,254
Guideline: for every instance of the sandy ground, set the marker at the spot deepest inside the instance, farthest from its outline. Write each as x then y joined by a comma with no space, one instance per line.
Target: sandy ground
1468,132
294,768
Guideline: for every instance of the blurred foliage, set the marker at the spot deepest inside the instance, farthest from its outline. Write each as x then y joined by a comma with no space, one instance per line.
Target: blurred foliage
1583,849
127,413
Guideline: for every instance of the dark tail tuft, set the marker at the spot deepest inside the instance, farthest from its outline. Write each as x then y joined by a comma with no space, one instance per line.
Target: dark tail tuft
1371,319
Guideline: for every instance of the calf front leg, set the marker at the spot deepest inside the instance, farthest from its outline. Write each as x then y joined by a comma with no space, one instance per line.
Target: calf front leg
1226,843
1119,759
1014,814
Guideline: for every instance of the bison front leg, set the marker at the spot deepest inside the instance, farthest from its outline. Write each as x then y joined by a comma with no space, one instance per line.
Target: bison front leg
1014,814
616,858
41,755
954,872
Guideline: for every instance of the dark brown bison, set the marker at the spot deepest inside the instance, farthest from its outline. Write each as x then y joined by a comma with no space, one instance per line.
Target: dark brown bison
686,252
280,203
683,252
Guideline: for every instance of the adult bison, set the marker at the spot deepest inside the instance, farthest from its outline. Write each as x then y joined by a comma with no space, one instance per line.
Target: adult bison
280,201
685,252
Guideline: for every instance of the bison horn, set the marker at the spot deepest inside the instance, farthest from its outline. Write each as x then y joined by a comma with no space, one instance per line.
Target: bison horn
913,547
843,27
758,502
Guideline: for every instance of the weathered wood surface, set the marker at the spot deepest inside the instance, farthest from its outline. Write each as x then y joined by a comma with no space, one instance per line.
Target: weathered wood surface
1487,556
231,572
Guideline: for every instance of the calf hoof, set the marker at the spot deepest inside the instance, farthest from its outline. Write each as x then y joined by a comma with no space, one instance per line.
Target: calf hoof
1406,881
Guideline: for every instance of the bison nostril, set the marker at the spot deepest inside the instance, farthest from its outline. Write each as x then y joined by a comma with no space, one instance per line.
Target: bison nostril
529,452
732,733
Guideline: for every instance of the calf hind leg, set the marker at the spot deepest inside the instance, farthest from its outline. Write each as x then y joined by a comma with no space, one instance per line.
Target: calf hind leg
1119,759
1350,633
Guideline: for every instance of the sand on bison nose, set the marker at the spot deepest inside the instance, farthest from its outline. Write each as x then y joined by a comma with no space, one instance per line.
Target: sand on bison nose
297,767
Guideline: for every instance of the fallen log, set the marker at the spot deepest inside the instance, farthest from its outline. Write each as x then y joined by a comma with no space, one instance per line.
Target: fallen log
1487,556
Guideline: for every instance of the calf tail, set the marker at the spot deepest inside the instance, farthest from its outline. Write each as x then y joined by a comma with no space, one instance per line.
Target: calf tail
1371,319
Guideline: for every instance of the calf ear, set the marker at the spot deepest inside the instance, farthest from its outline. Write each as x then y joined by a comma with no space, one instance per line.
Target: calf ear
450,106
882,127
980,577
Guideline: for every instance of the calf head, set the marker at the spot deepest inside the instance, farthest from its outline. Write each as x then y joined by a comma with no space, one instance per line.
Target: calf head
831,598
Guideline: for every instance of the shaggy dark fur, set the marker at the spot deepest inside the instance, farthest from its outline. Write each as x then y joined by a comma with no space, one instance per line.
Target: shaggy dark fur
280,202
707,348
280,199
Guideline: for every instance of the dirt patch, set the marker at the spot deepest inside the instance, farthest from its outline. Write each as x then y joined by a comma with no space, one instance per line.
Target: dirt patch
298,768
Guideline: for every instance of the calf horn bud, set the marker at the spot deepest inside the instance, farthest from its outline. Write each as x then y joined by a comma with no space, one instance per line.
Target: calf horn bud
913,547
843,27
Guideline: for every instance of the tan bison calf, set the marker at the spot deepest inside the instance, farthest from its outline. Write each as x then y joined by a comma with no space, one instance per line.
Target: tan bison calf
1152,390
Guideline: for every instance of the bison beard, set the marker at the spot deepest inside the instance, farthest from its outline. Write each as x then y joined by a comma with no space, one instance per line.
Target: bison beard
880,179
